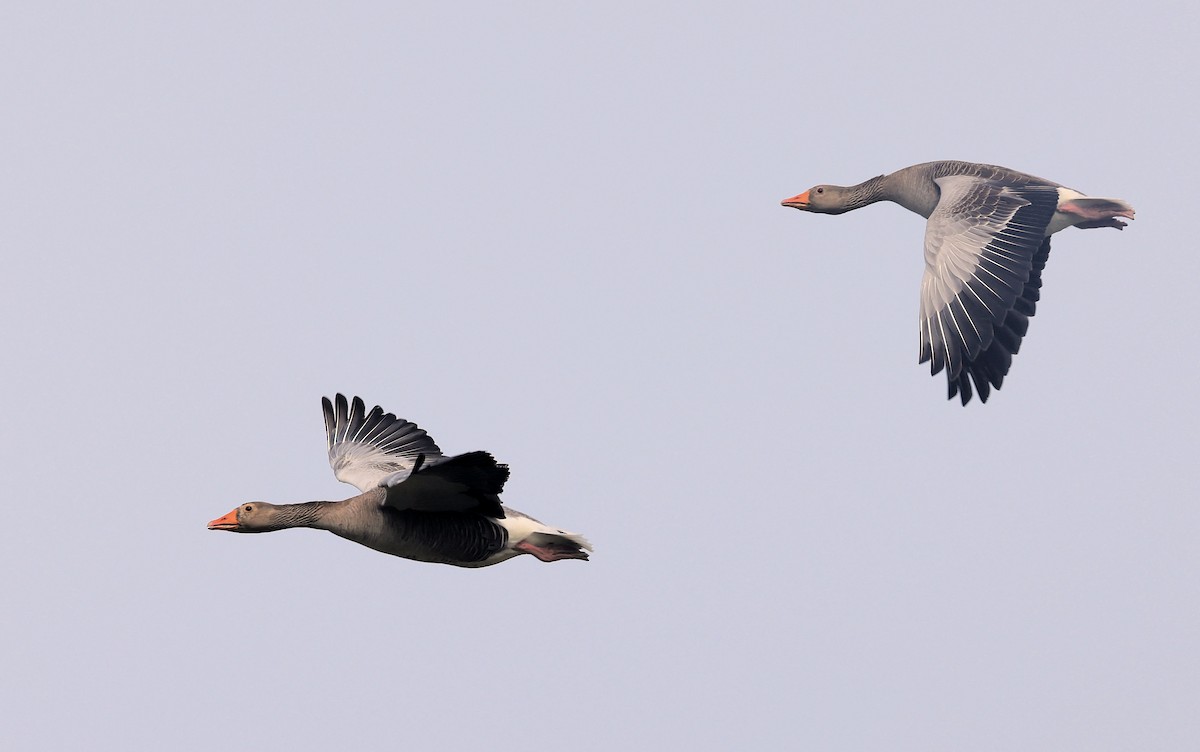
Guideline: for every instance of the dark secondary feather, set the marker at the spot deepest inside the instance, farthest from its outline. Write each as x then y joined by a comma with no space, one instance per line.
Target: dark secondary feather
469,482
976,333
989,368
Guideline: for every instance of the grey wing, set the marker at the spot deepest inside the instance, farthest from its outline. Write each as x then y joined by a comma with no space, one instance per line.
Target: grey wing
984,247
365,448
469,482
991,365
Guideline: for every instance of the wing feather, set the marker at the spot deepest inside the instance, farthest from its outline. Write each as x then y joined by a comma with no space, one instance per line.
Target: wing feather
365,448
470,482
985,247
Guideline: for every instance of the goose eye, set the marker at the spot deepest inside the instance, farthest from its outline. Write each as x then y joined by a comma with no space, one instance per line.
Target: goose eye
248,508
820,190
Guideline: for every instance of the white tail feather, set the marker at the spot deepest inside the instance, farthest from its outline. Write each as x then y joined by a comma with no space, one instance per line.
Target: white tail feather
520,526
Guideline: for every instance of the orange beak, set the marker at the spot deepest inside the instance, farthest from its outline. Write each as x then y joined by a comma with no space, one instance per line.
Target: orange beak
796,202
228,522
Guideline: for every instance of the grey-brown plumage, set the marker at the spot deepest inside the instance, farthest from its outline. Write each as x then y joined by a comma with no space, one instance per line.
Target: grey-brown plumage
415,502
986,244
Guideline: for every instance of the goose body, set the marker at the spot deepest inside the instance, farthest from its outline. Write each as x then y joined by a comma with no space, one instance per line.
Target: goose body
987,238
415,503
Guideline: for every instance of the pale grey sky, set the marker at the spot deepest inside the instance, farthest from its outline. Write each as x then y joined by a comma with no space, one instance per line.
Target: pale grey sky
552,231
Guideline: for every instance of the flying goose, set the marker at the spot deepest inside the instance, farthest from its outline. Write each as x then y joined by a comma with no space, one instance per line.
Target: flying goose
986,243
415,502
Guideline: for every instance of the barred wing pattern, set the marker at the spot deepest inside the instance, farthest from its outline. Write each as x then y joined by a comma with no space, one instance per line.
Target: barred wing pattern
985,247
367,448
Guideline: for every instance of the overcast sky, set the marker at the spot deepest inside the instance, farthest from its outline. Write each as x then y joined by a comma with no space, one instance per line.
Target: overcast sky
552,231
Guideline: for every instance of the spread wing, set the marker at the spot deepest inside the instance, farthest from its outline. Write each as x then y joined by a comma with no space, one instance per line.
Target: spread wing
367,448
469,482
985,246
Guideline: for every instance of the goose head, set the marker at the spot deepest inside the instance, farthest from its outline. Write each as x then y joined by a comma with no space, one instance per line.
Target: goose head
251,517
822,199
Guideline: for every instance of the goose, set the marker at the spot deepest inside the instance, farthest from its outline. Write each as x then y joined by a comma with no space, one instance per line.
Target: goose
986,242
415,502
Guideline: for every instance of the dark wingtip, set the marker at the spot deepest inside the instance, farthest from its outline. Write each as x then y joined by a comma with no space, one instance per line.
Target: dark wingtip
330,419
958,386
